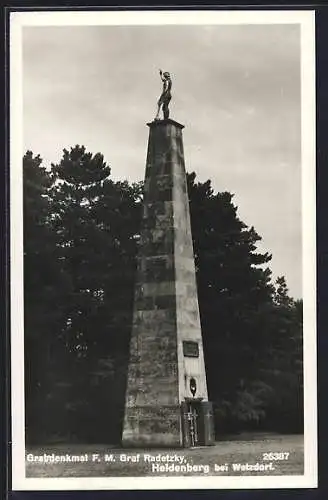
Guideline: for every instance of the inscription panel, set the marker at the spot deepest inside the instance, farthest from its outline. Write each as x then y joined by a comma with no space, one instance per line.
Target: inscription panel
190,349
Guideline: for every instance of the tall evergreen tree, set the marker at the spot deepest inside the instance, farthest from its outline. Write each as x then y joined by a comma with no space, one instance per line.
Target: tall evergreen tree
96,223
284,365
45,284
235,292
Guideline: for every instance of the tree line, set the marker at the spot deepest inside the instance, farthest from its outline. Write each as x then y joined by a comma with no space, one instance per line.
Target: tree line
81,232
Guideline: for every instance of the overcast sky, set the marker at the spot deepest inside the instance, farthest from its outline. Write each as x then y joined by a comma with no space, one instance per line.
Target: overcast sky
235,88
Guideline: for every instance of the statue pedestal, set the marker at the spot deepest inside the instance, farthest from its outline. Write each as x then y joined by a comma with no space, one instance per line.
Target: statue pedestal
166,376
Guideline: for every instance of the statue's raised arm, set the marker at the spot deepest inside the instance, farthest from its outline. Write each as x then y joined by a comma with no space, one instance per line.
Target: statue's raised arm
163,101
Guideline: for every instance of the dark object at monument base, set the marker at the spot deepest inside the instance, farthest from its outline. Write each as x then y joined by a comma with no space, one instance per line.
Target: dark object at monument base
197,423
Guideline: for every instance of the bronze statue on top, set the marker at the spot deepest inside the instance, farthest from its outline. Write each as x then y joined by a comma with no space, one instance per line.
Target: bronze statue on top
165,96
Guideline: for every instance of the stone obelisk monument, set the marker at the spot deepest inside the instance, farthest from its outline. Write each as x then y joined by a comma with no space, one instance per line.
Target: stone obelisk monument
166,397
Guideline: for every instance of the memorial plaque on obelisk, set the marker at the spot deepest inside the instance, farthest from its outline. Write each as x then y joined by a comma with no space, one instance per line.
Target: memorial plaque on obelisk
166,395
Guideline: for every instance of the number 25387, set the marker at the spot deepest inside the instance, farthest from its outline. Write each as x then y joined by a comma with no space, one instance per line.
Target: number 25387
276,455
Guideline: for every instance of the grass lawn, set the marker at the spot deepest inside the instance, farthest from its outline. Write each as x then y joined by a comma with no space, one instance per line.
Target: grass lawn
246,449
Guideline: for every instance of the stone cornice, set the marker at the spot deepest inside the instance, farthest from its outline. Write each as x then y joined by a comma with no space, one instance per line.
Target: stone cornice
158,123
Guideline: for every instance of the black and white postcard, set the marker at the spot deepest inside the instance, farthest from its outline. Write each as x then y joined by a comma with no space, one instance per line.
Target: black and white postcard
163,286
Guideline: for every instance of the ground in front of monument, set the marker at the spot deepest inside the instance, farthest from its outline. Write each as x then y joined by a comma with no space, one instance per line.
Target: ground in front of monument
247,454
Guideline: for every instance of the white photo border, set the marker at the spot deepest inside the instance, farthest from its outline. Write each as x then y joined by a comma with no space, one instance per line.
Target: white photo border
306,19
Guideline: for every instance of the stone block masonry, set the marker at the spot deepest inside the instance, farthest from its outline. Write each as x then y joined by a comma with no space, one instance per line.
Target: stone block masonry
166,310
